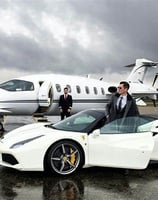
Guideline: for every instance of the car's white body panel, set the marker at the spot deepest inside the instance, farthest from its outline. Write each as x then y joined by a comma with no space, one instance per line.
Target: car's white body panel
124,150
121,150
38,147
153,127
154,155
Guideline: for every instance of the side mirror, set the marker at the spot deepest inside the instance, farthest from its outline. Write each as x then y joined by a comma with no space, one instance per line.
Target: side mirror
96,133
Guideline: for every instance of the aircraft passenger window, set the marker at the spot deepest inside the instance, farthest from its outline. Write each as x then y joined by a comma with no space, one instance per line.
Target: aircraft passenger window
78,89
102,91
58,88
69,88
87,89
95,90
17,85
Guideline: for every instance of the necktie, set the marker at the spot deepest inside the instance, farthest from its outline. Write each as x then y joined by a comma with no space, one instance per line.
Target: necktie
120,104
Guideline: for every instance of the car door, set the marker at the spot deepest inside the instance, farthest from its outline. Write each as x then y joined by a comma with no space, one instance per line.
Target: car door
124,148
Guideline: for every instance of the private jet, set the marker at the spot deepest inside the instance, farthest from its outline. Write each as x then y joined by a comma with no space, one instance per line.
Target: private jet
39,94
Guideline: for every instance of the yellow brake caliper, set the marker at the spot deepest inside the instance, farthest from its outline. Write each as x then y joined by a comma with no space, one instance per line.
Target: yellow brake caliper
72,157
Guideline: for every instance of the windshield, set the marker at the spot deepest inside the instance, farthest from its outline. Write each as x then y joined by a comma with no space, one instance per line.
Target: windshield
17,85
128,125
80,122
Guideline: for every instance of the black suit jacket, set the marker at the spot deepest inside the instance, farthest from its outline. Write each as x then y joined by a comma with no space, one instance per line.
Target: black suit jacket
65,103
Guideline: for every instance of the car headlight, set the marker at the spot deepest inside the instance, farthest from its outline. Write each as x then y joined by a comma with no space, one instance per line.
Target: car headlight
21,143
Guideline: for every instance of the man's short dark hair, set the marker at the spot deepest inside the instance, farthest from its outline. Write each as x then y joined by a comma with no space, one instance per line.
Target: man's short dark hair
125,84
65,88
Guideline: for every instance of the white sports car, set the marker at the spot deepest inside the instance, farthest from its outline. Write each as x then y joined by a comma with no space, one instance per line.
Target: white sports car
82,140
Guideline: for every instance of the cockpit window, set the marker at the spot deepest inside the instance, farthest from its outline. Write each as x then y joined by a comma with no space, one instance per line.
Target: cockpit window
17,85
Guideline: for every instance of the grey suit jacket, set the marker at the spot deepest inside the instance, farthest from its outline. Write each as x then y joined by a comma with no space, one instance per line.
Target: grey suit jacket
130,109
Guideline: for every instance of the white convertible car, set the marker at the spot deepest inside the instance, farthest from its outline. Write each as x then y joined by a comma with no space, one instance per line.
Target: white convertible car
82,140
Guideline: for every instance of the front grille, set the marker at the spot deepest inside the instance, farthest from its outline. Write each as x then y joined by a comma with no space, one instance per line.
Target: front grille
8,158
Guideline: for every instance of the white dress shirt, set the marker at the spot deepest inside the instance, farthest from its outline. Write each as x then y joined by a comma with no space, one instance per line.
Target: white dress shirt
124,101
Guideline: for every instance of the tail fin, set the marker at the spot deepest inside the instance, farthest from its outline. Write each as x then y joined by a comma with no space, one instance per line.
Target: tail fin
156,75
139,71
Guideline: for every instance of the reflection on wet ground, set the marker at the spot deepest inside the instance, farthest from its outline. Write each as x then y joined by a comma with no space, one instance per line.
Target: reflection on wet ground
93,183
87,184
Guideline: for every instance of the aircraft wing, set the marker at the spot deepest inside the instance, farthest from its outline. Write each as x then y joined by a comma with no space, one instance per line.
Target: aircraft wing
4,111
140,90
143,93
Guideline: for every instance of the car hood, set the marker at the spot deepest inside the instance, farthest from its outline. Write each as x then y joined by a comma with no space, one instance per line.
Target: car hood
27,132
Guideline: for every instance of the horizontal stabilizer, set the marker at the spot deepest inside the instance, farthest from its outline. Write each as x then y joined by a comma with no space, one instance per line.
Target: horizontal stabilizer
156,75
139,70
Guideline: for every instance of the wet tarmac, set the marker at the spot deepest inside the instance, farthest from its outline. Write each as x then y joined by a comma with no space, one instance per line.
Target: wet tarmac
88,184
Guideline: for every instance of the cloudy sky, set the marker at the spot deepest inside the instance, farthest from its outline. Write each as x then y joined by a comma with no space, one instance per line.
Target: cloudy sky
76,36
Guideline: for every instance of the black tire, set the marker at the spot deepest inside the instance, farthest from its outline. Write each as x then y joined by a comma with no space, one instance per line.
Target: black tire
64,158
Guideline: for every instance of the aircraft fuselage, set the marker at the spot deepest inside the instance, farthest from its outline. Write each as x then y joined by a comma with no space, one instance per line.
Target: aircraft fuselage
40,94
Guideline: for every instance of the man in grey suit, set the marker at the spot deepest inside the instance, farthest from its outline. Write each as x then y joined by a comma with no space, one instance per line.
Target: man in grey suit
121,104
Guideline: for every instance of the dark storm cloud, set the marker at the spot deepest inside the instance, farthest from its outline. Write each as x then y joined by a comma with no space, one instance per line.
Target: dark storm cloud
133,23
99,35
23,53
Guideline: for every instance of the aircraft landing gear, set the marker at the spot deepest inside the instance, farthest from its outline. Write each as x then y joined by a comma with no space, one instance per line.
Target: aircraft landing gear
154,103
1,125
1,129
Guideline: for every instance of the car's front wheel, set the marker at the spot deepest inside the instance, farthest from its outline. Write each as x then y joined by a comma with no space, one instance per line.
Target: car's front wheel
65,157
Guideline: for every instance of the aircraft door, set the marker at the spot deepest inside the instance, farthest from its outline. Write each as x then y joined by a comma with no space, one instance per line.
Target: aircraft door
45,96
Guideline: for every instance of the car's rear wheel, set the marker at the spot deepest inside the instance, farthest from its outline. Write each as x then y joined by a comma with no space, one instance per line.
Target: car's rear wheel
65,157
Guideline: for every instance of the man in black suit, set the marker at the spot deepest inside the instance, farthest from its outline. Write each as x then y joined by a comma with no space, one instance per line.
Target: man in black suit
121,104
65,104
